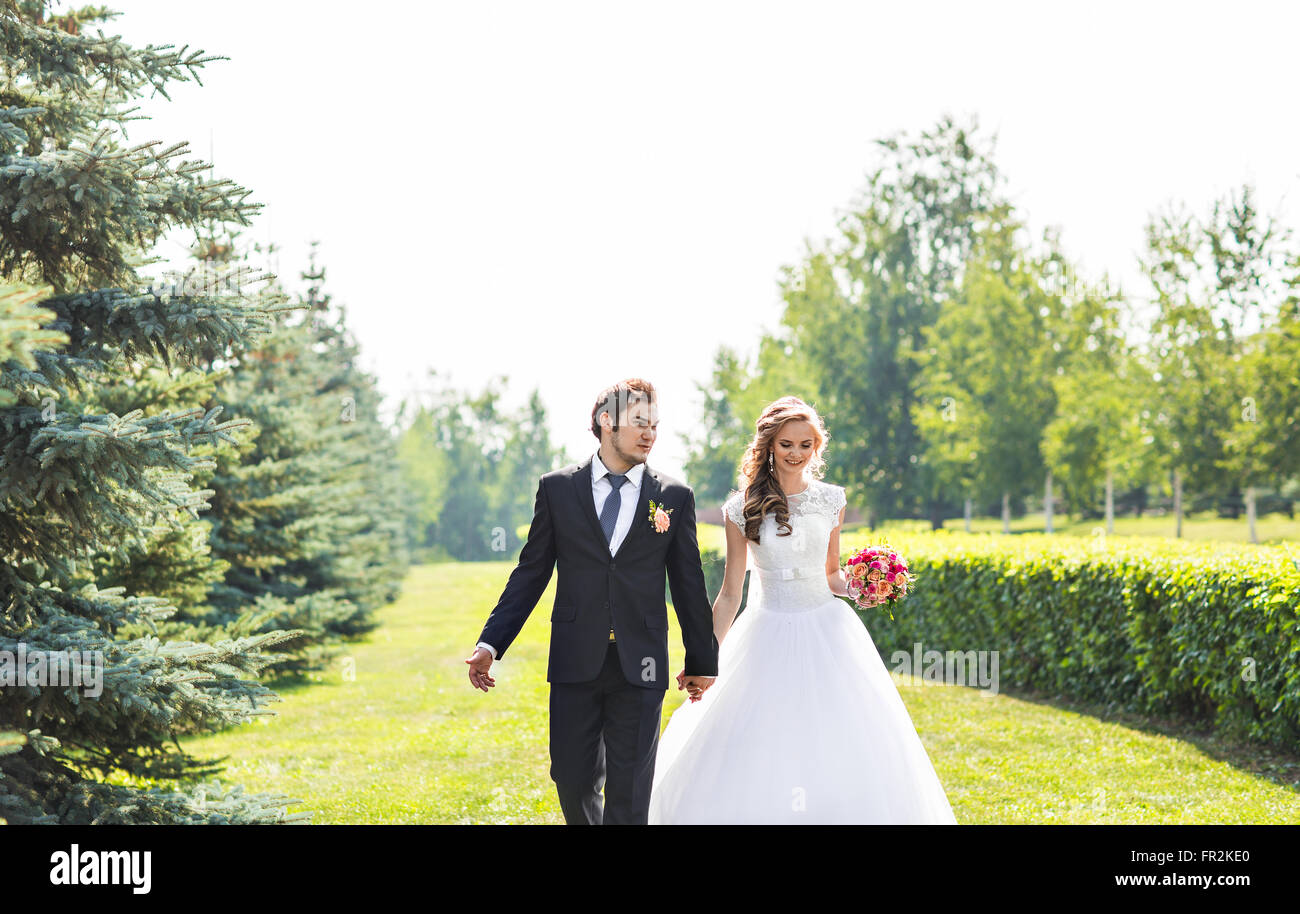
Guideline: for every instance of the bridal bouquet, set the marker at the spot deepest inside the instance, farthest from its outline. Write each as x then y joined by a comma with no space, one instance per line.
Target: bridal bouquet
877,576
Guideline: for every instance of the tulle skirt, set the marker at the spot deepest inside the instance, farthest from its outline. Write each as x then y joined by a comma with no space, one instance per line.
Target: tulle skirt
804,725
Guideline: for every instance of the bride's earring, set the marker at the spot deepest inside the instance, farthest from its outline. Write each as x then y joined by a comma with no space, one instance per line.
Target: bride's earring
771,462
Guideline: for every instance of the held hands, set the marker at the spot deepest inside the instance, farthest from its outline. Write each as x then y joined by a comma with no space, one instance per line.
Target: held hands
694,685
480,662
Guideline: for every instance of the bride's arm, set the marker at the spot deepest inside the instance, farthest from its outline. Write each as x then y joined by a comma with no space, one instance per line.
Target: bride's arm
834,573
733,581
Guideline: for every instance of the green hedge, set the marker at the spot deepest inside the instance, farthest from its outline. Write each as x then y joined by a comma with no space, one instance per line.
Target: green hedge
1147,625
715,563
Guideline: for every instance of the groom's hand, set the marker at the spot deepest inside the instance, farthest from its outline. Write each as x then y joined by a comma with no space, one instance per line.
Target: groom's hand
480,663
694,685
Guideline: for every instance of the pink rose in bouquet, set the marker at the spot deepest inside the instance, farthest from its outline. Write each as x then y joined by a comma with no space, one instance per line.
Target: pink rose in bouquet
877,576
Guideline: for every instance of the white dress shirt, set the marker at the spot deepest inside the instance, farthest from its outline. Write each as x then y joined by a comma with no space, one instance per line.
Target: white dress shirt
601,488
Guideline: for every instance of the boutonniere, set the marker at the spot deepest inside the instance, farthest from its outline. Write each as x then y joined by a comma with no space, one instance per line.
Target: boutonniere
659,517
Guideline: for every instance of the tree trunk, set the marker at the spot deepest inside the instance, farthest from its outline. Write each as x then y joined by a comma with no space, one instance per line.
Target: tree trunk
1178,503
1110,500
1250,513
966,515
1047,503
936,515
1006,512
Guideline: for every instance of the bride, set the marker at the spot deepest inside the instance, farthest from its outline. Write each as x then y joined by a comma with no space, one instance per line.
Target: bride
804,724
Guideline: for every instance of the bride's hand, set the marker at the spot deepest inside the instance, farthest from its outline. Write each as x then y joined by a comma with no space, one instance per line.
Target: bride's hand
695,686
692,684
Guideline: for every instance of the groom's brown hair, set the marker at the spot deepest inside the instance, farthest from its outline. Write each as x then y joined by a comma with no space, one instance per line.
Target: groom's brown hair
616,398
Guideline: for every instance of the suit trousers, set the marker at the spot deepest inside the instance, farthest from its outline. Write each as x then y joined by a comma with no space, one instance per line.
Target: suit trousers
604,733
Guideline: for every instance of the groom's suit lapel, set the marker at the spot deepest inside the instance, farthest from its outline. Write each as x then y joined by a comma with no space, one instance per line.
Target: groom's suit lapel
582,486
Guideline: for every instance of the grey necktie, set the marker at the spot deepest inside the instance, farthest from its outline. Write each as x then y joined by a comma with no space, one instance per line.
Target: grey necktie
609,511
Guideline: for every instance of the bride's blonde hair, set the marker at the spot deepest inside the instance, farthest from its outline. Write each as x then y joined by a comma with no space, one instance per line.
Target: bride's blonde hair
758,478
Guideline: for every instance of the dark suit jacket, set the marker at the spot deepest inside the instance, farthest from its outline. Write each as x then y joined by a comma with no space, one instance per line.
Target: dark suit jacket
595,592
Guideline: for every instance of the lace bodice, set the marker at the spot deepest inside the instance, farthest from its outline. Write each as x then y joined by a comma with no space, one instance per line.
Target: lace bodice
793,567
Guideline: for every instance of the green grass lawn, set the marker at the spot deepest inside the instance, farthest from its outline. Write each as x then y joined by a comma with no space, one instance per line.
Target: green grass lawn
408,740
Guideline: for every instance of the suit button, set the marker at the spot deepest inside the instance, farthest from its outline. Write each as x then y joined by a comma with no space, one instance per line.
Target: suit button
607,605
611,566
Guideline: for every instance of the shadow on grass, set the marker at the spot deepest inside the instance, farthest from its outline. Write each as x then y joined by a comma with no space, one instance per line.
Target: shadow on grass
1279,765
294,681
322,672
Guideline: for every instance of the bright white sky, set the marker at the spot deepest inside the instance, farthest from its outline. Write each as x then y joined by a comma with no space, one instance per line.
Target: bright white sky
572,193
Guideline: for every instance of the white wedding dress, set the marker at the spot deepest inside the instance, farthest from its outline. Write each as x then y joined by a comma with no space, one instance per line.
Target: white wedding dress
803,725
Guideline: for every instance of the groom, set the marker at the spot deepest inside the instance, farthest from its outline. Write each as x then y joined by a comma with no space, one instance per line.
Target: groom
608,664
